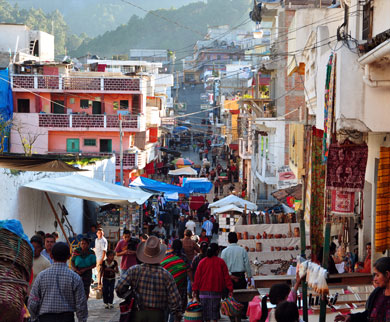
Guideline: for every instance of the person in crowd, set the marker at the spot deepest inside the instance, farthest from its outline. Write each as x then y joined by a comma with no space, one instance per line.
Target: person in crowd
190,224
55,235
92,235
143,237
178,265
378,303
41,233
367,261
109,269
287,312
212,175
155,297
159,230
331,263
237,261
181,227
203,237
208,226
343,260
216,187
215,225
128,256
40,262
185,209
49,243
101,245
171,239
58,292
83,261
278,294
212,277
203,252
176,215
190,247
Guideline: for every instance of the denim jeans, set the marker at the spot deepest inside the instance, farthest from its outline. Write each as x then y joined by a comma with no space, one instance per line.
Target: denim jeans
108,290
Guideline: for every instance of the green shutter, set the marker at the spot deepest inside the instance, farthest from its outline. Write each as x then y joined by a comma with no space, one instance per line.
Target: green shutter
72,145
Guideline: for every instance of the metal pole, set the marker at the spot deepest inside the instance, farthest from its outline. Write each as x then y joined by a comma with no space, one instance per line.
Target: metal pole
303,254
325,265
120,149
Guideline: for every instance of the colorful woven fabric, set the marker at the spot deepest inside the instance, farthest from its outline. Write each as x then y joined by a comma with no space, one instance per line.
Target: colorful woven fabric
329,105
382,224
177,267
342,202
346,167
317,199
231,307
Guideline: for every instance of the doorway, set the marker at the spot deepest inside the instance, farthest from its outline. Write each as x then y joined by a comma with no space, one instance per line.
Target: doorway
105,145
96,107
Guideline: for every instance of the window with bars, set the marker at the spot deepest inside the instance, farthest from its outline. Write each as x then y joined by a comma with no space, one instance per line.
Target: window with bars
89,142
124,104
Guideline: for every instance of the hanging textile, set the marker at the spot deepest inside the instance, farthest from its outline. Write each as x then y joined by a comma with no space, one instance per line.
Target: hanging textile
317,198
342,202
329,105
346,167
382,223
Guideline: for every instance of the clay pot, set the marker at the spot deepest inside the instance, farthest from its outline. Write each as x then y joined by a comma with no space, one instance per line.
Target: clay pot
291,248
270,236
252,249
284,248
239,236
272,248
284,236
245,235
264,235
258,236
278,235
296,232
251,236
258,247
278,249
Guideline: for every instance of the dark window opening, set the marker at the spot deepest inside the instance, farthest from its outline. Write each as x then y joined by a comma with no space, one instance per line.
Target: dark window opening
96,107
57,107
23,106
124,104
106,145
368,15
136,106
84,103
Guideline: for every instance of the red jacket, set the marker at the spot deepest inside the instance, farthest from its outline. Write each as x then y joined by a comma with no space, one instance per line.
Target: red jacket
212,275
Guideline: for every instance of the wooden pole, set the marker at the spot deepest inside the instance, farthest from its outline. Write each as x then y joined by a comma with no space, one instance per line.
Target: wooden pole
325,265
58,219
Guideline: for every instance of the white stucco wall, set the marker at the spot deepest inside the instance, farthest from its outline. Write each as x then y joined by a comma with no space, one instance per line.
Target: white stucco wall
31,206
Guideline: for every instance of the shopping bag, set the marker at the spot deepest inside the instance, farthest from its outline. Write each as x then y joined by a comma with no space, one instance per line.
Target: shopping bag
231,307
193,312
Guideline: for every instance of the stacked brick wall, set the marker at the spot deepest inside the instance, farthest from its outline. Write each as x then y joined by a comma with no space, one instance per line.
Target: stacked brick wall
23,82
88,121
128,121
53,120
121,84
81,83
128,160
48,82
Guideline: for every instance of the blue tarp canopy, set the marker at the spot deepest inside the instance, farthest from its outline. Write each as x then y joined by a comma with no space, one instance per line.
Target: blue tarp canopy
157,186
197,185
6,104
178,129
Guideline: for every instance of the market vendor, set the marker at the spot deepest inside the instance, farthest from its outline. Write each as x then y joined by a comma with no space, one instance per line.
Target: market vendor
367,262
378,303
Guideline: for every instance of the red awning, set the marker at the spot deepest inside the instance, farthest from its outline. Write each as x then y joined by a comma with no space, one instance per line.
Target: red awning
233,146
149,168
234,111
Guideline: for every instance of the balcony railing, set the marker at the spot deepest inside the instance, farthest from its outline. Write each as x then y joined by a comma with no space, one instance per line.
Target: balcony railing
75,83
129,122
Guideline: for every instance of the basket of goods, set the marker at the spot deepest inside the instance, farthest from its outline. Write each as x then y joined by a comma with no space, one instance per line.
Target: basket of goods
193,312
16,258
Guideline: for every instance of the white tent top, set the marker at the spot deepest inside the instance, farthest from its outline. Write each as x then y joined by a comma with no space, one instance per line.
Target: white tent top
226,209
234,200
82,187
186,171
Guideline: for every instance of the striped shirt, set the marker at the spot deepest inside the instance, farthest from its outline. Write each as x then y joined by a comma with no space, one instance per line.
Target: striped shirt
57,289
156,287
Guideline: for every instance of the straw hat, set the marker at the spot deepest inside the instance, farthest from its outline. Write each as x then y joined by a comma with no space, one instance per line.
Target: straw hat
151,251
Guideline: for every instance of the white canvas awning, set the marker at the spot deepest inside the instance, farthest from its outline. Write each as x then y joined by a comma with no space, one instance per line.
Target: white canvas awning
234,200
82,187
226,208
187,171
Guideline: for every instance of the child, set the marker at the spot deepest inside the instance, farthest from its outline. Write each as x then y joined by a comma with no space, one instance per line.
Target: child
108,270
287,312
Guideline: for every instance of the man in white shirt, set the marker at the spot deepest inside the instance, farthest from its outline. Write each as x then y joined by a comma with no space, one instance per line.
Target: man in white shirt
191,225
100,251
40,263
49,243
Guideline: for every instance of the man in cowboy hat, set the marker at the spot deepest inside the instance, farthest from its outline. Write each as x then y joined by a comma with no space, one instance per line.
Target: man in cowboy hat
155,286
